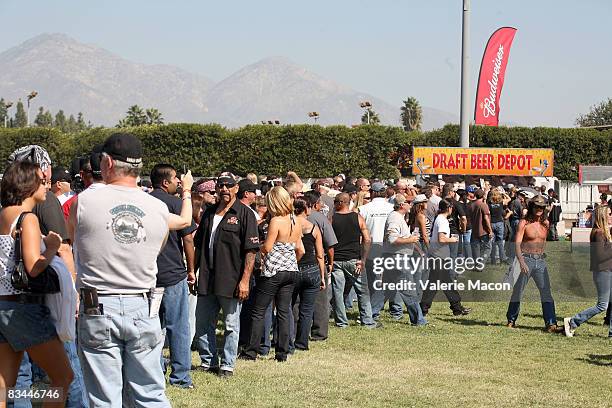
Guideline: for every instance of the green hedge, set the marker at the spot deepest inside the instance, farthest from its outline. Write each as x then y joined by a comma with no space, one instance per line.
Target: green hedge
311,150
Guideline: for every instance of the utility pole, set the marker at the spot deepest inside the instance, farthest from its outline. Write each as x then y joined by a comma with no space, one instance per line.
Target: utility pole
465,76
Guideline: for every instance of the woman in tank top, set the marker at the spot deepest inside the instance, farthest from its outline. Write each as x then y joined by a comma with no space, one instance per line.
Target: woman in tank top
280,254
310,278
419,222
25,322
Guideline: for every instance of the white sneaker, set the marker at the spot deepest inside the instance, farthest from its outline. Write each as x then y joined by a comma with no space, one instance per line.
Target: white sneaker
568,328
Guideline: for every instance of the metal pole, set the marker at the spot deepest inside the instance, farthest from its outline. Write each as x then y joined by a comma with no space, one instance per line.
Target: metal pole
28,114
368,110
465,75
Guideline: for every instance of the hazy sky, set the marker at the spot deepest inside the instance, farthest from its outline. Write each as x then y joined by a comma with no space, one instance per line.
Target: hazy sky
560,63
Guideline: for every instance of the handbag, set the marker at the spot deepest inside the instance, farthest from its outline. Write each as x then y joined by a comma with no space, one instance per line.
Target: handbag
46,282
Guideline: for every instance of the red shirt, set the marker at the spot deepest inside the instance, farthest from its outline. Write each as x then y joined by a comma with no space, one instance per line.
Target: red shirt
67,205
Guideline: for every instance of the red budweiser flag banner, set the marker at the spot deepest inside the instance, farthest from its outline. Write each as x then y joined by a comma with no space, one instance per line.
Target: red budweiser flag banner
491,78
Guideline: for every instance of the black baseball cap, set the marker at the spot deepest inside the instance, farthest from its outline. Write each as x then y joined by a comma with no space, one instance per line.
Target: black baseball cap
124,147
94,160
60,174
349,188
245,185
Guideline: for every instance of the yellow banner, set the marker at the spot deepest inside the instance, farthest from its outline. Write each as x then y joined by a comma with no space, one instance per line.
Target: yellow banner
482,161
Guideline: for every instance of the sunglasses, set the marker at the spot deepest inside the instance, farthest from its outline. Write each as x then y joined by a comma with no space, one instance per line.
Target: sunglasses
228,185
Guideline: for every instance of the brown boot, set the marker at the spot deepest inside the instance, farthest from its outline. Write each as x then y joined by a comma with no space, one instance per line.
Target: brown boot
553,328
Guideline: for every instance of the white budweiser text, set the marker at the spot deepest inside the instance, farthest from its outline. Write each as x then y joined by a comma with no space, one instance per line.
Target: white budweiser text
489,105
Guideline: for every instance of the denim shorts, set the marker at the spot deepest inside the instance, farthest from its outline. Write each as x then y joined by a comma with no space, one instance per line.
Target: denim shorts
24,325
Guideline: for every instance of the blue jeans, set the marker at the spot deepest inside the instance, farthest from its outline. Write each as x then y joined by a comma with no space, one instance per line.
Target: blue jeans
498,230
207,313
412,297
174,317
345,270
121,349
466,246
539,272
481,247
379,297
349,298
77,395
307,283
603,283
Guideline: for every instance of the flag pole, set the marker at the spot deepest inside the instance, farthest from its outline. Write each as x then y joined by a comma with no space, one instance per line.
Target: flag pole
465,72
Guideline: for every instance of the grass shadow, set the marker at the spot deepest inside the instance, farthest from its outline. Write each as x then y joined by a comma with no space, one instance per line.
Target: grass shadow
601,360
470,322
592,322
474,322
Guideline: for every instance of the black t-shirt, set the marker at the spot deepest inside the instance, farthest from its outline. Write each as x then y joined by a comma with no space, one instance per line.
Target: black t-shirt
464,208
454,221
497,212
170,265
50,216
554,216
235,235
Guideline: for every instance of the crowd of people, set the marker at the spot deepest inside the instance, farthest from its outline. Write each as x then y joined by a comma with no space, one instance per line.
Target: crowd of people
273,258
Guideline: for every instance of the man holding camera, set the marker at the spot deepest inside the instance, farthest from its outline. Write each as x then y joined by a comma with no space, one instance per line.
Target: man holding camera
119,231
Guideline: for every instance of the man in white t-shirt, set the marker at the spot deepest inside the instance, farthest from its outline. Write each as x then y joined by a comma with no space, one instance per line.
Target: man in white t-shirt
439,253
399,241
375,214
119,232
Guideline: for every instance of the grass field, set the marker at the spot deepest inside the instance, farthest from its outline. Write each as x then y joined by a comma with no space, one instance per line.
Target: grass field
470,361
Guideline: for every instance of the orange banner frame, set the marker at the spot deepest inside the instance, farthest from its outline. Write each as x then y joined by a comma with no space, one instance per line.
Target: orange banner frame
482,161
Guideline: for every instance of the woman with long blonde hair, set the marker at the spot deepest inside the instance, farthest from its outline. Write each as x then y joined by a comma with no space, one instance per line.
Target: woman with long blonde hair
280,253
363,197
601,266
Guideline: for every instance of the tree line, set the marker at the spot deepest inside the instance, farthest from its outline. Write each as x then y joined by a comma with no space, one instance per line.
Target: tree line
44,118
411,117
135,116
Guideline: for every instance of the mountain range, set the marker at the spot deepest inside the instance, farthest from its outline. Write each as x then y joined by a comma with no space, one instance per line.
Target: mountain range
78,77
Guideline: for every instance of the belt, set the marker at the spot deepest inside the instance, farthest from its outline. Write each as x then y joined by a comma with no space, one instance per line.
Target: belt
143,295
534,256
24,298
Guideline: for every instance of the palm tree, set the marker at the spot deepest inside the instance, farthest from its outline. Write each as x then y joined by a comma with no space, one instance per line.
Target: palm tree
370,117
412,114
154,117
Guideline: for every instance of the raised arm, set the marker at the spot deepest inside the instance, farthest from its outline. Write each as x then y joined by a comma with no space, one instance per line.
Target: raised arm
177,222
